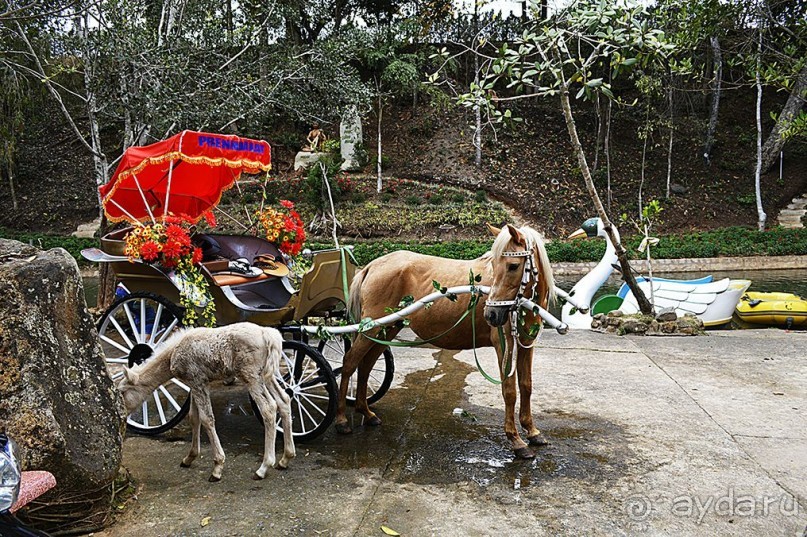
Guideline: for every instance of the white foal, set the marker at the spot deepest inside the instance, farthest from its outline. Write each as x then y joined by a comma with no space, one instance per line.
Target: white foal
200,355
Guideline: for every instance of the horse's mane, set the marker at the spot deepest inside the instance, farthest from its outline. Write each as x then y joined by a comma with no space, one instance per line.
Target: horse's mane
535,237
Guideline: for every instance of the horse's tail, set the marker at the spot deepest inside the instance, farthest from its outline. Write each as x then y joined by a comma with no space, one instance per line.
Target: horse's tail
354,298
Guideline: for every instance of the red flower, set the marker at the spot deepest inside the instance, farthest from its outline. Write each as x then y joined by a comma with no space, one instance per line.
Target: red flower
210,218
169,262
149,251
197,256
177,234
287,204
172,249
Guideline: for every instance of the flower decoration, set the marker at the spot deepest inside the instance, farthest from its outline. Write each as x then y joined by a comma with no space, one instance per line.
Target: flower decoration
284,227
168,245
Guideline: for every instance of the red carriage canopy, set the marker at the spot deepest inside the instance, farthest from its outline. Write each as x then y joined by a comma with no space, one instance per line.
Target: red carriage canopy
184,175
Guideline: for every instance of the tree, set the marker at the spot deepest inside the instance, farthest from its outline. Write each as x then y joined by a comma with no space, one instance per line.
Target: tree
555,59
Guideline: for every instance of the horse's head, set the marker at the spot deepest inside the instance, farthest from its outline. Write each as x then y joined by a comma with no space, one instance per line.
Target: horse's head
520,270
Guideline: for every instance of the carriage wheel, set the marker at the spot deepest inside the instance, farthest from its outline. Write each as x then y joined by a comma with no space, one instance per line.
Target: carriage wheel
380,379
308,379
129,331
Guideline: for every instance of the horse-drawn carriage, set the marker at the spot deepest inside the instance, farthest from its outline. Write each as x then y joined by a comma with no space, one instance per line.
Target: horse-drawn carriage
186,175
190,171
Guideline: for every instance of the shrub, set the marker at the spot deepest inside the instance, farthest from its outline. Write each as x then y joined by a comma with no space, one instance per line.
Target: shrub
480,196
413,200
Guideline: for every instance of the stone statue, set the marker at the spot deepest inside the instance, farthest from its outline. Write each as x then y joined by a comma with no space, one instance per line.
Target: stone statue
315,139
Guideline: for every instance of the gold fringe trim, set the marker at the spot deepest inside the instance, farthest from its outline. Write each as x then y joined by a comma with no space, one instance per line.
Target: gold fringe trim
248,166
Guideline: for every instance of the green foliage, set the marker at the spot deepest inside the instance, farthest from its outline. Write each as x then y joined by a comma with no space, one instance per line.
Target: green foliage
73,245
728,242
314,191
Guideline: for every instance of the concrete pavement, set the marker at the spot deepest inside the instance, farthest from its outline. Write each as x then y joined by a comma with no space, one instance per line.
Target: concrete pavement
650,436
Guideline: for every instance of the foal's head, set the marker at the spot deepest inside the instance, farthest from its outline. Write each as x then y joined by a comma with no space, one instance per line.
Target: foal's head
520,269
131,392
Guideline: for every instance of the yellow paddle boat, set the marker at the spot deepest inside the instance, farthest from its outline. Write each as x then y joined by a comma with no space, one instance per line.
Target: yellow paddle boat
774,309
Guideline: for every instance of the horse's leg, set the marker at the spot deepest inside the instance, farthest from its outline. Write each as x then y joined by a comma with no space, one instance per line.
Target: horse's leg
350,362
195,434
365,368
268,409
284,406
202,397
524,371
509,392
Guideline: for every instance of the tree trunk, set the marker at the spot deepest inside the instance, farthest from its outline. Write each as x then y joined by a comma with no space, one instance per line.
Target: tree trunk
718,80
600,134
14,202
378,163
758,174
477,122
607,150
775,142
644,159
621,253
672,130
477,141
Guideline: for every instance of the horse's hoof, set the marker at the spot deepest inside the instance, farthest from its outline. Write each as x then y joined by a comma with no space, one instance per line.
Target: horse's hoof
279,466
538,440
343,428
255,477
524,453
183,464
214,479
375,421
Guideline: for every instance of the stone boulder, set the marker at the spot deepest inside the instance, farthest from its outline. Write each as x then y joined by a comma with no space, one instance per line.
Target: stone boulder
56,399
304,159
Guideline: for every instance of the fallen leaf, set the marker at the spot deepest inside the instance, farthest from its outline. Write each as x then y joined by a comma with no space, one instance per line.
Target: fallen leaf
205,521
389,531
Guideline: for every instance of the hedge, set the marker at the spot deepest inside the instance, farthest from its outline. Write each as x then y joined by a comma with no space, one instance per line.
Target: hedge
728,242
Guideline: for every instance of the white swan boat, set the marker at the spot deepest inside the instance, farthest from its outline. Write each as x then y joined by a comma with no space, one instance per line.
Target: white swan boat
712,301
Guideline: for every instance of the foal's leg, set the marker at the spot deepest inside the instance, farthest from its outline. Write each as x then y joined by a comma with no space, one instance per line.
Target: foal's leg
509,392
195,434
284,406
524,371
202,397
268,409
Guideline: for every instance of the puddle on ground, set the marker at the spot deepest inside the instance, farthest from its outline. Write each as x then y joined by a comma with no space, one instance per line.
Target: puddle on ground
426,439
423,440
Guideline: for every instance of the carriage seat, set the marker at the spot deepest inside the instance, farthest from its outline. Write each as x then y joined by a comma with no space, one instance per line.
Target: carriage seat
217,250
267,291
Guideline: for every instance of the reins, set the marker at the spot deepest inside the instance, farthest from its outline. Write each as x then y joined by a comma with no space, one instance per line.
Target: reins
529,273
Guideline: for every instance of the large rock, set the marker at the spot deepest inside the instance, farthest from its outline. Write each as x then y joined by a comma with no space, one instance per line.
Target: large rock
56,399
305,159
351,139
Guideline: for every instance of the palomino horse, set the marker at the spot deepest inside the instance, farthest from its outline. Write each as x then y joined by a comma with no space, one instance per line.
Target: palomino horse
200,355
517,266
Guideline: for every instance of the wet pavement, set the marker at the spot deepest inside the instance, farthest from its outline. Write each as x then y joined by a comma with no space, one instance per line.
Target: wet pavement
649,436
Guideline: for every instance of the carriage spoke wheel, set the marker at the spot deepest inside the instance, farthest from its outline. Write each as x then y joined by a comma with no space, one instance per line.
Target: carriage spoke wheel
381,375
308,379
129,331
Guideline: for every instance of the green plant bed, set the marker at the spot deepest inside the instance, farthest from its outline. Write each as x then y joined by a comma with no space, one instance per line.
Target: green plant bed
727,242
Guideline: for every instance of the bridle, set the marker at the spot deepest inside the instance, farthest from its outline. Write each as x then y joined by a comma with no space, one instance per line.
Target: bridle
530,272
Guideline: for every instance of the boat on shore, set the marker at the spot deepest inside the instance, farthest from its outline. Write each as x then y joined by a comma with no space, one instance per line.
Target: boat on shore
773,309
